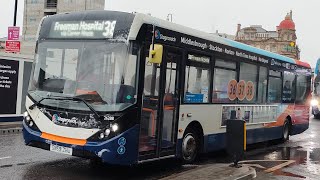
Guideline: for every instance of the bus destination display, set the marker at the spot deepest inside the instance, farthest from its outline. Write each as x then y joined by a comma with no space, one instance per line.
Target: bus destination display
83,29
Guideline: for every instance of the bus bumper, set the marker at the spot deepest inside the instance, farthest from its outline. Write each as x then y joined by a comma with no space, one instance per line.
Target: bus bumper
315,110
111,151
299,128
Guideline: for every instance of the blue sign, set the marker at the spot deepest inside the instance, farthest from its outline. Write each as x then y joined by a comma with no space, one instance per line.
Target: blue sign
157,34
193,98
121,150
122,141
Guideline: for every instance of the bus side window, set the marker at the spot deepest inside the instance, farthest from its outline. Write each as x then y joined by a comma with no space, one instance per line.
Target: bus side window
263,81
288,90
224,72
196,84
274,88
248,73
302,89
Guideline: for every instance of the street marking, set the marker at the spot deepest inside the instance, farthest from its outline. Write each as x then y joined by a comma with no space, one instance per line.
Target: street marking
8,157
255,165
280,166
262,161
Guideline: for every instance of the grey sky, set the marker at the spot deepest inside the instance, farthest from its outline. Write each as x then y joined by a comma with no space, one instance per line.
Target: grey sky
212,15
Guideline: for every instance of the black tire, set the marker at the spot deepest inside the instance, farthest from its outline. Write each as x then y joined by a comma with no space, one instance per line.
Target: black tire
286,131
190,146
317,116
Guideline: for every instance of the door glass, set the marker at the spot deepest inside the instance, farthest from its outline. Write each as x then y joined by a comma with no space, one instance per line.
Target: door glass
149,117
169,106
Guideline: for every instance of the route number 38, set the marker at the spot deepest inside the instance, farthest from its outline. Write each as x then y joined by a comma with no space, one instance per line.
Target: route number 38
240,90
109,27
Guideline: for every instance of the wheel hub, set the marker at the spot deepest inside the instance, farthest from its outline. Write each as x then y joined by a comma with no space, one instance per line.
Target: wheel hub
189,147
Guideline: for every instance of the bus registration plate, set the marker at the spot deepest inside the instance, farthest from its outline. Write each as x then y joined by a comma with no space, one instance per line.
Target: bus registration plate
60,149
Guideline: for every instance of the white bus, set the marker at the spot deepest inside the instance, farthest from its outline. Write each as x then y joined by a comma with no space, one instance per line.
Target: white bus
130,88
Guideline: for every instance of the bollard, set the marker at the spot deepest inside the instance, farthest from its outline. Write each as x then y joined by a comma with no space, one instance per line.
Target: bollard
236,140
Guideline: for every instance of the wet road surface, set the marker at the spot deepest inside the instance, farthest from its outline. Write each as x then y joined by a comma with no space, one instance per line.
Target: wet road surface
296,159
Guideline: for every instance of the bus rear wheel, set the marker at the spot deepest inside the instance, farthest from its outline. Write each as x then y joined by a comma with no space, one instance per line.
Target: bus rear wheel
286,131
190,146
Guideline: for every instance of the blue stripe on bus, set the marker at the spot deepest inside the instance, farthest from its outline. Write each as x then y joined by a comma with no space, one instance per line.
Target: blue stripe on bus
299,128
107,150
259,51
214,142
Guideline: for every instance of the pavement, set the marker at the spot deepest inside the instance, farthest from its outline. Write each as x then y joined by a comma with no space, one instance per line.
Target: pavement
10,127
217,172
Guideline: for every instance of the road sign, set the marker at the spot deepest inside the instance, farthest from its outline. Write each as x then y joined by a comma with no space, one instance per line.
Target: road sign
13,33
13,46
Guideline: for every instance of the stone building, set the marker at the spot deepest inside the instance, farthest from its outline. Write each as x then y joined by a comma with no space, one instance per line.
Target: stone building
35,10
281,41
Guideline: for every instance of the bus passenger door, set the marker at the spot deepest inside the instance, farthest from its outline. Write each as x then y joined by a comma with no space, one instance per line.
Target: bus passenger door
170,102
160,107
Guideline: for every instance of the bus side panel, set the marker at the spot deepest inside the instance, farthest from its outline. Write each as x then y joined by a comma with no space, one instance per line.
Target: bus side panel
301,114
218,141
300,118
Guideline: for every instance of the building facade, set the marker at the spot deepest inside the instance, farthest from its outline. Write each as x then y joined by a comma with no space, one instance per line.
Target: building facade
35,10
281,41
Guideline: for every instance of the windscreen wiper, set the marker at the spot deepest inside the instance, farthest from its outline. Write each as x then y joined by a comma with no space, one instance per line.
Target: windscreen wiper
38,102
69,98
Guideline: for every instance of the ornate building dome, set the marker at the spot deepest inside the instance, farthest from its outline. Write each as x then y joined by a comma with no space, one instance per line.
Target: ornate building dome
287,23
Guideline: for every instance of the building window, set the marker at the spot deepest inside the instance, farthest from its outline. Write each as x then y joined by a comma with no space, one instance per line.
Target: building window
273,48
32,20
33,1
49,13
51,4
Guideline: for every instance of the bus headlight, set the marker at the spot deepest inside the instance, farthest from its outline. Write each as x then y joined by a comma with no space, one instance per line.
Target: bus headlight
314,102
115,127
31,123
28,118
107,132
101,135
25,114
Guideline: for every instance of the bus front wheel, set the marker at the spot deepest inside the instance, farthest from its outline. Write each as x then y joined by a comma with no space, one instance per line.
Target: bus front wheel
190,146
286,131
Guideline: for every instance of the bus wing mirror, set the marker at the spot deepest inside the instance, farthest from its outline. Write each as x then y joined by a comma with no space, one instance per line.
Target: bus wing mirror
155,53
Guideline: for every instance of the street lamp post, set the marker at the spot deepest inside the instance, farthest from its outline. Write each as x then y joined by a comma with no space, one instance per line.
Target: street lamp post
169,19
15,13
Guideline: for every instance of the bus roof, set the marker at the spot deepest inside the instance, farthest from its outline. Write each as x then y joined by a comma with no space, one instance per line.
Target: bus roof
131,23
141,19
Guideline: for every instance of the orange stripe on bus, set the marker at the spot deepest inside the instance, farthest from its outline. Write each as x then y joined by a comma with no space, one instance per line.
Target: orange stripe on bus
63,139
